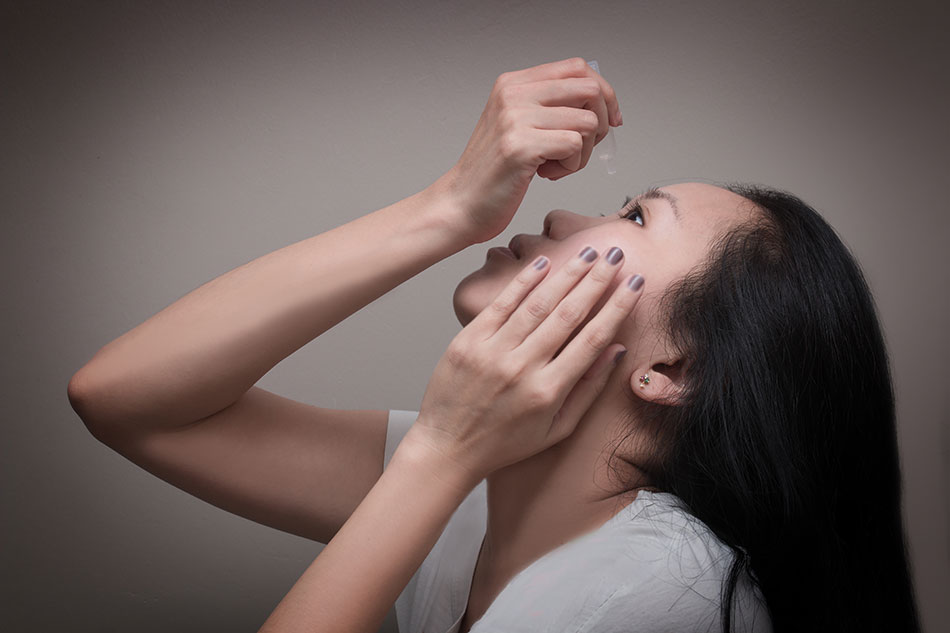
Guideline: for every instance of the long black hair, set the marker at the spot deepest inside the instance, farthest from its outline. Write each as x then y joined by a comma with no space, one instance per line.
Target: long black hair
784,442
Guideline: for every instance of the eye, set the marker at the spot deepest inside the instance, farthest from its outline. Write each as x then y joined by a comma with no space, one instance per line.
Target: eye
634,212
628,212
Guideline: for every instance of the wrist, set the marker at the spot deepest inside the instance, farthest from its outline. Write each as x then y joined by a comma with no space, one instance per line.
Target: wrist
421,449
446,198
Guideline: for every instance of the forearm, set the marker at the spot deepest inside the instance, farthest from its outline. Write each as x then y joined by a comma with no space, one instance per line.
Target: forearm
360,573
201,353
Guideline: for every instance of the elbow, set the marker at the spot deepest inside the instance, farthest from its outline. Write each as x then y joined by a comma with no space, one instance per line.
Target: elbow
82,400
77,393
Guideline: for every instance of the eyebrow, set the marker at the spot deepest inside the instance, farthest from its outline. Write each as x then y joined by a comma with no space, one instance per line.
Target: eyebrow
653,193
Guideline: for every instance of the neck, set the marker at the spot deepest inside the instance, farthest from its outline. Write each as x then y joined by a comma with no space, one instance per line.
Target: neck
542,502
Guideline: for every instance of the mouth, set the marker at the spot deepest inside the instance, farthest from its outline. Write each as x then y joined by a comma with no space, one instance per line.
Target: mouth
516,245
517,248
504,251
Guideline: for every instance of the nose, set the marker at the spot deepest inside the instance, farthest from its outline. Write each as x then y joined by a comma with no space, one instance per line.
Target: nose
559,223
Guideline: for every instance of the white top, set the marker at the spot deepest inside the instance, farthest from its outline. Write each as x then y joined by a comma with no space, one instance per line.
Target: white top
652,567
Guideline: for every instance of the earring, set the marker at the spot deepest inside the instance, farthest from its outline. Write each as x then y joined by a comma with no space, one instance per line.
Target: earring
644,380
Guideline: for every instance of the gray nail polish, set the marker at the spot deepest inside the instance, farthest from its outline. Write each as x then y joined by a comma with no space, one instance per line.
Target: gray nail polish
614,255
635,283
619,355
588,254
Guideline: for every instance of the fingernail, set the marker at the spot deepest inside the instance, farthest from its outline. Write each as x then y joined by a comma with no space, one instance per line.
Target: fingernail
635,283
619,117
614,255
619,355
540,262
588,254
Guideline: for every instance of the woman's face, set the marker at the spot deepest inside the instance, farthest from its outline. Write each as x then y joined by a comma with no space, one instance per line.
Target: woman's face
669,233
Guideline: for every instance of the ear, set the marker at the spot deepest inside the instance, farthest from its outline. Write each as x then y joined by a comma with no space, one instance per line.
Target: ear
660,382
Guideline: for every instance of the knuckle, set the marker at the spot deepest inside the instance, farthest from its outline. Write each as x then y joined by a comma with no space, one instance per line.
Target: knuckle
508,144
577,64
598,338
479,361
507,94
620,312
588,122
501,306
538,397
457,353
507,118
509,372
575,140
538,308
625,299
525,281
570,313
576,268
589,87
601,274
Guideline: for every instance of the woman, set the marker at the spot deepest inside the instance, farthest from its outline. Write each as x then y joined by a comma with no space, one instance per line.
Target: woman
680,412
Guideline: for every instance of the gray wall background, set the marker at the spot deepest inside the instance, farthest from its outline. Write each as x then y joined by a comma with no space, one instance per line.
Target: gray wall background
150,147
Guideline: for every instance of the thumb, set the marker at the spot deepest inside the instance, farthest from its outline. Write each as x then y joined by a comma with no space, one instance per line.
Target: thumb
586,390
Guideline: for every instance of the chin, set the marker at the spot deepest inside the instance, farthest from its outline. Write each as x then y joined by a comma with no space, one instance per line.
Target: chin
473,294
480,287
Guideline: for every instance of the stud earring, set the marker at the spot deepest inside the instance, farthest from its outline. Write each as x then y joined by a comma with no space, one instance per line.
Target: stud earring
644,380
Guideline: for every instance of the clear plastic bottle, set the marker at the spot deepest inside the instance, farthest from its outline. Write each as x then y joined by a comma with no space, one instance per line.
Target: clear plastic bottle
607,148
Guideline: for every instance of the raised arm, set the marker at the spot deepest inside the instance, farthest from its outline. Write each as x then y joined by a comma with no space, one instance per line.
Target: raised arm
203,352
175,394
496,396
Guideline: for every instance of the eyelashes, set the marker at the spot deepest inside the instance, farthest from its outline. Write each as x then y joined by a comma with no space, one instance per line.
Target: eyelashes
627,212
626,201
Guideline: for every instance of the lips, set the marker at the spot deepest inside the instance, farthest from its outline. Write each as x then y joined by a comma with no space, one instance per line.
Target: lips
516,244
502,250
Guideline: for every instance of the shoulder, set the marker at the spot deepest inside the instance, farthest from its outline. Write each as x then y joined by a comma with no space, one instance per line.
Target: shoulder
674,569
659,531
652,567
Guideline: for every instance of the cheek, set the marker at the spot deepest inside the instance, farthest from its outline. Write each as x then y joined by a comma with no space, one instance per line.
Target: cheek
635,257
568,248
634,262
479,288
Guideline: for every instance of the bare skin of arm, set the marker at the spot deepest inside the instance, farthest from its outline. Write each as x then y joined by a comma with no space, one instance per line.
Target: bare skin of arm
497,395
175,394
462,434
203,352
